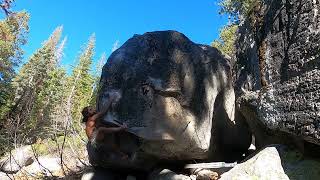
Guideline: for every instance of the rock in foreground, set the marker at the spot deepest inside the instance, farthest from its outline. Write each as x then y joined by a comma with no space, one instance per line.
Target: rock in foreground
275,162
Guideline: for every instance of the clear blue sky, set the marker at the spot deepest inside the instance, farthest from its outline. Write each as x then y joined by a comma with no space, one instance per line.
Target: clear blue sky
117,20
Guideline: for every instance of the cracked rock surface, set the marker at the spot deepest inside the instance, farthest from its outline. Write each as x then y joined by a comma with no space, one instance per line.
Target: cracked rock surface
279,60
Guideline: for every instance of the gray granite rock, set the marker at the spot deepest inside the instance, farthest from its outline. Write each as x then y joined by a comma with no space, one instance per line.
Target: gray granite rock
177,99
279,60
44,165
275,162
18,158
264,165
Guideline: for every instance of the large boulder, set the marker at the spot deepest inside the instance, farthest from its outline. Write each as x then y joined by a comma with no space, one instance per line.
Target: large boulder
278,71
177,99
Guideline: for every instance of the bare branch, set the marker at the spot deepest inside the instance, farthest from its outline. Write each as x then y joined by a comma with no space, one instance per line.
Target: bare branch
37,159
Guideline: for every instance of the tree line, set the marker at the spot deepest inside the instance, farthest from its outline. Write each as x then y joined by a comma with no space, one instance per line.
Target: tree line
41,100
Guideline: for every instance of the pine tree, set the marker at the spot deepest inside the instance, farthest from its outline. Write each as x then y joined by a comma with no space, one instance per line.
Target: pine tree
227,38
49,102
237,9
13,32
97,74
55,91
32,90
51,97
80,84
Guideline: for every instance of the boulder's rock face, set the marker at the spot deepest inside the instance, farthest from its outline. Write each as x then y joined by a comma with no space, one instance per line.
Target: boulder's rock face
275,162
279,60
176,97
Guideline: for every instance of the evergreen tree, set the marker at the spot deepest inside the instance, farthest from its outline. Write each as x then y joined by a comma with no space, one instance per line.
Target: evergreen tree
80,84
226,40
55,91
49,103
13,32
33,91
97,75
237,10
51,97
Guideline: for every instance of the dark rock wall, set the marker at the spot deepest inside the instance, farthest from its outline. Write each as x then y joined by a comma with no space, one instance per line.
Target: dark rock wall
280,58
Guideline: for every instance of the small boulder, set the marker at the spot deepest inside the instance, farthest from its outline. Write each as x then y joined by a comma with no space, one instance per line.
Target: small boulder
44,165
17,159
275,162
264,165
206,174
